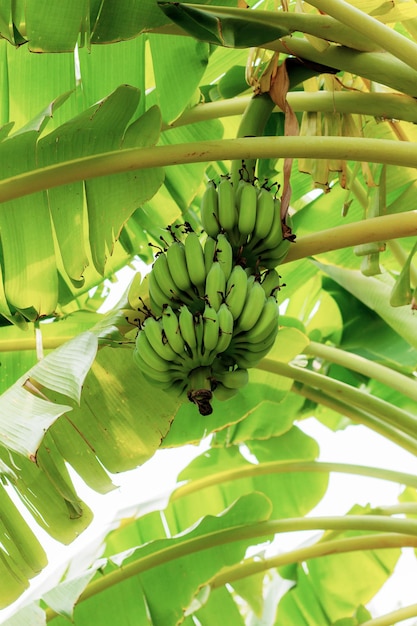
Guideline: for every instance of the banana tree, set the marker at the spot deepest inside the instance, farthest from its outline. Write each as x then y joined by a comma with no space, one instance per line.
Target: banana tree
104,147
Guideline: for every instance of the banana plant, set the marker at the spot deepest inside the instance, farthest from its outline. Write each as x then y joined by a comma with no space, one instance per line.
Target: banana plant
113,121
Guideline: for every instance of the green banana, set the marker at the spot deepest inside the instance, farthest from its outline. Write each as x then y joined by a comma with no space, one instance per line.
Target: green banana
158,299
226,205
247,210
267,323
225,319
154,332
265,211
209,210
236,289
209,253
215,286
163,277
272,258
145,352
178,266
270,282
273,238
171,329
194,256
223,393
211,329
224,254
186,322
234,379
254,304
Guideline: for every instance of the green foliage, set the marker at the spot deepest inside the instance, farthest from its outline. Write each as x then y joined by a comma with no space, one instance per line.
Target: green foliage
104,146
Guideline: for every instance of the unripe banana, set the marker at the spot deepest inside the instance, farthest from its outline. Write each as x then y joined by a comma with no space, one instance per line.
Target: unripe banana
211,329
266,324
198,356
153,330
226,205
274,237
172,332
186,321
209,210
178,266
270,282
272,258
163,277
247,210
254,304
158,299
225,319
146,353
215,286
223,393
236,290
209,253
264,214
234,379
194,257
224,254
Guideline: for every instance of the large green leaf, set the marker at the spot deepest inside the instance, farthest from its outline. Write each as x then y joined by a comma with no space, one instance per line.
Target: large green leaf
30,263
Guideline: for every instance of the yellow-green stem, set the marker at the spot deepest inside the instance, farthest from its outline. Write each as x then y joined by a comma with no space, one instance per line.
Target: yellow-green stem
385,375
351,148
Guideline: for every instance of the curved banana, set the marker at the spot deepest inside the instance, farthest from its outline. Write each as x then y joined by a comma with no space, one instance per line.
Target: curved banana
226,321
254,304
209,210
158,299
275,234
194,256
226,204
236,289
178,266
211,329
224,254
270,282
264,215
154,332
247,210
145,353
186,322
266,324
215,286
162,274
234,379
272,258
223,393
172,332
209,253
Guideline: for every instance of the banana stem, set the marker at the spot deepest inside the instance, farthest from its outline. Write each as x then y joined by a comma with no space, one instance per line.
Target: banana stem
380,105
252,124
386,412
384,36
380,228
322,548
200,389
358,416
351,148
385,375
394,617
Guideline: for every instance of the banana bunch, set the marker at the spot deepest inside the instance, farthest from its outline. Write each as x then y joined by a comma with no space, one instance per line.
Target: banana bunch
213,309
190,273
178,351
251,219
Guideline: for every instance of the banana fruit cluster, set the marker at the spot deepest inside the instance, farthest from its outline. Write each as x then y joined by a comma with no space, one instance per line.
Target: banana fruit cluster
251,219
213,299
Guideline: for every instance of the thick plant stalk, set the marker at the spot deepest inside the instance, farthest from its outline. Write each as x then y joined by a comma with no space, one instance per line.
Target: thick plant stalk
323,548
385,375
359,416
387,38
252,124
104,164
284,467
